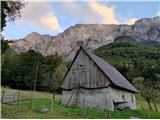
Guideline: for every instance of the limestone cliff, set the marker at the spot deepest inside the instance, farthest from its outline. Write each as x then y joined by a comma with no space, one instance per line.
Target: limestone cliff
92,35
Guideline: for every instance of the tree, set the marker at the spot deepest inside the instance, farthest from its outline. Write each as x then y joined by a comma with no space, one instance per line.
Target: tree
4,45
150,91
149,87
60,71
10,10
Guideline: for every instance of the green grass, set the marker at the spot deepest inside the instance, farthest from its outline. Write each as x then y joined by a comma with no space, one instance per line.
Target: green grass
42,99
24,111
126,114
142,104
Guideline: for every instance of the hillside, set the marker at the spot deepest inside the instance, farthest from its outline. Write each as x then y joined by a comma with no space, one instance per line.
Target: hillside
131,57
92,35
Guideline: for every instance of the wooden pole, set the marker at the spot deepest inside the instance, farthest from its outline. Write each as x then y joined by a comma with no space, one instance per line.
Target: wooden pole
54,92
31,100
2,96
52,103
18,97
84,107
35,80
70,98
107,112
148,113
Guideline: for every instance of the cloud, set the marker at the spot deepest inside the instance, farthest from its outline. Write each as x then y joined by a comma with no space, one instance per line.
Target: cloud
80,11
131,21
90,12
158,13
95,12
40,14
50,22
107,13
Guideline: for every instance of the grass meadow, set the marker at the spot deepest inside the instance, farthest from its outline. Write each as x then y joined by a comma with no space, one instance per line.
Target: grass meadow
44,99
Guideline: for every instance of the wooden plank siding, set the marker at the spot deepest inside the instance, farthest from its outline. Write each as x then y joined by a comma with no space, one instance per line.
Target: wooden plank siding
84,73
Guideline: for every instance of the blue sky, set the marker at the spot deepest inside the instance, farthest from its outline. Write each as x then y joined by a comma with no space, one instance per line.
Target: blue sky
53,17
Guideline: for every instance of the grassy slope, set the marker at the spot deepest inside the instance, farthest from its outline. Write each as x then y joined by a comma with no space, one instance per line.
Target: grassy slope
44,99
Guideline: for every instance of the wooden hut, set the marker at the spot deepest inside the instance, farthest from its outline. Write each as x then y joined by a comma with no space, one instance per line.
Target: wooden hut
92,82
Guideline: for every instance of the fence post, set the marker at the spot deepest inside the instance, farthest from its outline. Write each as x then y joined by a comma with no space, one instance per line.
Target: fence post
148,113
52,102
31,101
84,109
2,96
106,110
18,97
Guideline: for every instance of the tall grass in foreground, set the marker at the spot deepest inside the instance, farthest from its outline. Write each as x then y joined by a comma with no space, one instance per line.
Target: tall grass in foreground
28,93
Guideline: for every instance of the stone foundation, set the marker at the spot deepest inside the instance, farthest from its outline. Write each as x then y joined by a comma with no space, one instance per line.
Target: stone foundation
96,98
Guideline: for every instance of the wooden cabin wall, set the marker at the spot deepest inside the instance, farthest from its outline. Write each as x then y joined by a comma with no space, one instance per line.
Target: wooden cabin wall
84,73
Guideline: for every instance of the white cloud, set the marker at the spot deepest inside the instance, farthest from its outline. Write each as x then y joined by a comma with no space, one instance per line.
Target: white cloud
81,11
49,22
41,14
95,12
107,13
158,13
131,21
91,12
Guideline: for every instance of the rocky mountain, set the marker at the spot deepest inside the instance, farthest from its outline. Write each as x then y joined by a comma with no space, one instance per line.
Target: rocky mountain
92,36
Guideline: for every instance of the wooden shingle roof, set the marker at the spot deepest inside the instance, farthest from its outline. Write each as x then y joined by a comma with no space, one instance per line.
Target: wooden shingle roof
109,71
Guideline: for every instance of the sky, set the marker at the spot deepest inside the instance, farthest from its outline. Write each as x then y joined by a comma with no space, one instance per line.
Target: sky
54,16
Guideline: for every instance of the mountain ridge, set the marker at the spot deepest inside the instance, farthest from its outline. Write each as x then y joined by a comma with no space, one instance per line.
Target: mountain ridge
92,35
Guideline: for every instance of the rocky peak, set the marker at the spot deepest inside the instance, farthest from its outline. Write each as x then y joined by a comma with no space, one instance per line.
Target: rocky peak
32,36
148,21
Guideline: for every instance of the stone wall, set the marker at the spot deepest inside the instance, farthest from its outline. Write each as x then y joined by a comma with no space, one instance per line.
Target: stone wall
97,98
92,98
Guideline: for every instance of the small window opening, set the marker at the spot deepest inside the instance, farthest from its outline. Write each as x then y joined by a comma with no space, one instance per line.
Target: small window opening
80,66
123,97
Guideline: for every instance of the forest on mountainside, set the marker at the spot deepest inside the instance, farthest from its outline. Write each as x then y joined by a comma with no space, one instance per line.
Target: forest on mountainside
19,71
133,59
